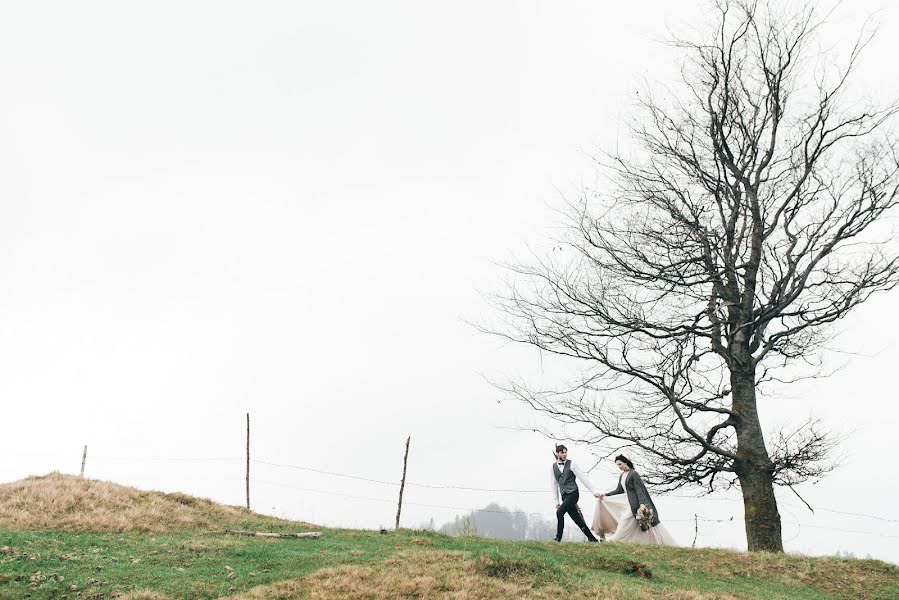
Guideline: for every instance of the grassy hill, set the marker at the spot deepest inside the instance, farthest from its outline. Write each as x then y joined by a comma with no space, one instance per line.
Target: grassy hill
68,503
66,537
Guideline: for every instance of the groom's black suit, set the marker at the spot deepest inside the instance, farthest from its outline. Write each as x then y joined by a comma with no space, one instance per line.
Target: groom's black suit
569,491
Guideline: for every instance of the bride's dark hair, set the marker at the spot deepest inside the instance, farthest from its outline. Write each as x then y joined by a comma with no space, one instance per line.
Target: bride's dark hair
625,460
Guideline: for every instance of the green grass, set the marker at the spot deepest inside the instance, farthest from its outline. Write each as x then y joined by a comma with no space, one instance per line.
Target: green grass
192,564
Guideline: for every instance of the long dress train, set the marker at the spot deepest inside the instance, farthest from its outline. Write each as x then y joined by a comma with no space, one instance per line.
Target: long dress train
614,521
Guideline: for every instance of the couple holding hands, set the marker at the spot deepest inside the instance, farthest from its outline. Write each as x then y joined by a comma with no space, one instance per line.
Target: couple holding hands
631,518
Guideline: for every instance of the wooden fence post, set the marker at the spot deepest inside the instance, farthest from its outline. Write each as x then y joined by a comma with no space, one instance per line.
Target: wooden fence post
83,460
399,507
248,461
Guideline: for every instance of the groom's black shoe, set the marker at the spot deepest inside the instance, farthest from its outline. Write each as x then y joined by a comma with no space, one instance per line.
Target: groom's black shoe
589,534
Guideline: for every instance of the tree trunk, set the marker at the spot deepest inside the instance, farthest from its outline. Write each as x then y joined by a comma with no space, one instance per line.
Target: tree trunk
754,468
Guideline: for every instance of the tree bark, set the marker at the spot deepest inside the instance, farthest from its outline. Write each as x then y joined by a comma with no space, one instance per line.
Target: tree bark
754,468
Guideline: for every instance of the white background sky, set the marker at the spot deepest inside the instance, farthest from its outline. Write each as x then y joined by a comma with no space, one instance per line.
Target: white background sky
209,208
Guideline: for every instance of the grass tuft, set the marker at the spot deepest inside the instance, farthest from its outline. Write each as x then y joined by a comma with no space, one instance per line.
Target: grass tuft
508,568
143,595
618,565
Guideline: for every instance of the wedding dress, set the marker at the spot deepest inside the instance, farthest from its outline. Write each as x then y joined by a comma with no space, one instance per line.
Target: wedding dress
614,520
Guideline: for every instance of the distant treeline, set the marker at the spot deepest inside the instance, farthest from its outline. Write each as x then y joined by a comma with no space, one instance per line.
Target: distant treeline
495,521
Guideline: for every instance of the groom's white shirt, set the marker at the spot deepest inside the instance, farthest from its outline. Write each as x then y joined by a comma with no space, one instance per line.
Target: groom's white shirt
580,475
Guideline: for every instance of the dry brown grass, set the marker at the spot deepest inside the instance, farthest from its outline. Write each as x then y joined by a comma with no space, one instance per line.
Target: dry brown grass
836,577
143,595
413,566
69,503
446,576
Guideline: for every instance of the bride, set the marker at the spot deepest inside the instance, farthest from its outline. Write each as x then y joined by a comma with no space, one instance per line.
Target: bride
618,516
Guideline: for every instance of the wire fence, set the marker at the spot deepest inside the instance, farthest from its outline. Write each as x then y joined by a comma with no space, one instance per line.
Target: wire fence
485,490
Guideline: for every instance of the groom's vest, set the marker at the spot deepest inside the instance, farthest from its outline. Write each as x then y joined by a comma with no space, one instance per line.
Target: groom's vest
565,477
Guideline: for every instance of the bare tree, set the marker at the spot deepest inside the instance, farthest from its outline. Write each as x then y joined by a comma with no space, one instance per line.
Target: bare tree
750,219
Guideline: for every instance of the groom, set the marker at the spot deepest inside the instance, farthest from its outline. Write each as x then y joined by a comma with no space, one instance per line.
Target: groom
565,475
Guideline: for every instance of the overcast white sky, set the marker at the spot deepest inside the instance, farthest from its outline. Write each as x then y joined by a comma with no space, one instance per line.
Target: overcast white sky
210,208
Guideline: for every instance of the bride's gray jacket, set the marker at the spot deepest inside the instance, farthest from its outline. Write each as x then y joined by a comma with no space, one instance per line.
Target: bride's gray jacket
636,494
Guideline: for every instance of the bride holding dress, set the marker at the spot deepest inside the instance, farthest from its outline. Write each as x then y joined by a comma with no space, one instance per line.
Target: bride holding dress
616,511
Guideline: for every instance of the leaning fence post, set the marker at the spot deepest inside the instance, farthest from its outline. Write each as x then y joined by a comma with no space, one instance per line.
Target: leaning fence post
248,461
399,507
695,529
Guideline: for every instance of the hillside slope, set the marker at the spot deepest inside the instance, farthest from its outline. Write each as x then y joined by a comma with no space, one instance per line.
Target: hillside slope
70,503
63,537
